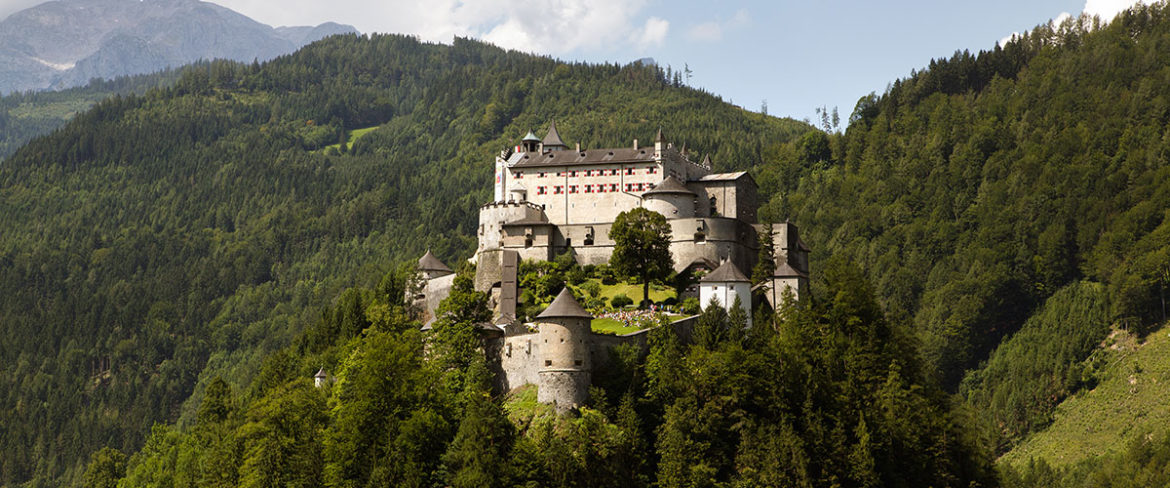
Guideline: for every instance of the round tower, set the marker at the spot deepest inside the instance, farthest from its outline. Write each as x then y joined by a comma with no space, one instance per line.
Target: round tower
670,198
723,286
431,267
564,353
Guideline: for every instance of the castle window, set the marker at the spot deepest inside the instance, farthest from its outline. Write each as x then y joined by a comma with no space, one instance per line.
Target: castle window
573,173
588,188
651,170
541,190
548,362
557,190
613,187
700,238
519,175
560,173
629,171
572,188
577,362
540,174
613,172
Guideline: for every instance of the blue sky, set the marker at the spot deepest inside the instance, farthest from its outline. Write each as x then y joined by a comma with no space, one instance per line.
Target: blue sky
797,55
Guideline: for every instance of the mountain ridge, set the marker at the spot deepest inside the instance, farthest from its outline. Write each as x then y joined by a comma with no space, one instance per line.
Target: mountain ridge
65,43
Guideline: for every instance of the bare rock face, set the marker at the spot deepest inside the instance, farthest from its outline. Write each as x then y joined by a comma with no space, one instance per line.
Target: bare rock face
65,43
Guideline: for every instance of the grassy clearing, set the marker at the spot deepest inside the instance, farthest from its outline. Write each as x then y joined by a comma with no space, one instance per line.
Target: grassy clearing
611,326
1132,399
353,136
522,407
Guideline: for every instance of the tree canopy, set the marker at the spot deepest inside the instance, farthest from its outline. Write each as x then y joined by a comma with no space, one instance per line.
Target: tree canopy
641,246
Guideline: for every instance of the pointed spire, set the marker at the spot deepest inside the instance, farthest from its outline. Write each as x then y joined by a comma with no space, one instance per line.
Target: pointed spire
660,138
321,374
727,272
707,160
431,263
553,139
564,305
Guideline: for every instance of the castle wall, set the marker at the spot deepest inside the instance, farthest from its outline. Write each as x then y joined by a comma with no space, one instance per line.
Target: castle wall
434,291
493,216
520,360
671,205
725,293
586,193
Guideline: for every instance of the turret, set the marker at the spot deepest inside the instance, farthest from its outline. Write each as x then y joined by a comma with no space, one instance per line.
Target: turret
791,263
564,341
670,198
659,145
431,267
723,286
552,141
320,378
530,143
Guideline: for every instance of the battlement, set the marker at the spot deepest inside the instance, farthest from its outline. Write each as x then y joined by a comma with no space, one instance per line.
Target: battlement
510,204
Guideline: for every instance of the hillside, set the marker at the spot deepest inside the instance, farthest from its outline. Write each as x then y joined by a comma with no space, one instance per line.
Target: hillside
24,116
67,43
1130,402
158,241
972,191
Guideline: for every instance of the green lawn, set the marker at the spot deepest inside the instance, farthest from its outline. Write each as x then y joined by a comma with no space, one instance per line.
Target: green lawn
1132,399
634,291
611,326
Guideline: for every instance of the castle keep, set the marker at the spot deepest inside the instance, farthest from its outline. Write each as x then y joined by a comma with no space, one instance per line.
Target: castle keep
550,199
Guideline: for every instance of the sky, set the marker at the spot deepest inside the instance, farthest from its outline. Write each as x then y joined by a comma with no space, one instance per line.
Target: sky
792,55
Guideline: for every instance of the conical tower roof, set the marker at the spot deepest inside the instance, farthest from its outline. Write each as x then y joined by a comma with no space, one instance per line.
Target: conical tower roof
553,138
669,185
660,137
430,263
564,305
530,137
727,272
321,374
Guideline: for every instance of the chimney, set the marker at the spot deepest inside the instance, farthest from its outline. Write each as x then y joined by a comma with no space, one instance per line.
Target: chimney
635,144
578,147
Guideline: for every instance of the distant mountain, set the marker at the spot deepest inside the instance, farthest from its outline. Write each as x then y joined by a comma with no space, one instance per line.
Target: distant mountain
65,43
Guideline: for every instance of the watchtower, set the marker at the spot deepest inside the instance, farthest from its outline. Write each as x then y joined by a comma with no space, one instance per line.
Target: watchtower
564,341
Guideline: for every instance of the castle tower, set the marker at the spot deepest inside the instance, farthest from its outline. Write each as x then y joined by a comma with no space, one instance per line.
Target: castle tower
671,199
791,259
431,267
564,348
320,378
723,286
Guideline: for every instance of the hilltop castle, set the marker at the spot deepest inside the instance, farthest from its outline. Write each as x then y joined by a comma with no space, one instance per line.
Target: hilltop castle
550,199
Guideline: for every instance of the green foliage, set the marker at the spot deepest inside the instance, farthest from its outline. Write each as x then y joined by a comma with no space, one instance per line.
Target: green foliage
620,300
641,247
106,467
1035,369
973,190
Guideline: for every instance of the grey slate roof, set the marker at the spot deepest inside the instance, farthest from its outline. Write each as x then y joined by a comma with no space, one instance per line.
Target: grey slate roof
786,270
724,176
564,305
669,185
553,139
321,374
727,272
589,156
527,222
430,263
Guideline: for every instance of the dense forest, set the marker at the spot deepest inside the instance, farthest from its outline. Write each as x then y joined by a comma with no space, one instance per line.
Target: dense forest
161,240
176,265
24,116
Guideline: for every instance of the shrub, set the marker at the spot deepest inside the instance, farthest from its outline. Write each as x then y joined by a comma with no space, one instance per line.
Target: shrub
620,300
690,306
592,288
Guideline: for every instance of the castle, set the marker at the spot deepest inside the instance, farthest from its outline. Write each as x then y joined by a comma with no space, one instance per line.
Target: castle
550,199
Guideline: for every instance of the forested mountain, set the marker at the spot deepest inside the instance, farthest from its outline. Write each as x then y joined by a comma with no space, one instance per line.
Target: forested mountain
192,255
1017,194
188,232
26,115
66,43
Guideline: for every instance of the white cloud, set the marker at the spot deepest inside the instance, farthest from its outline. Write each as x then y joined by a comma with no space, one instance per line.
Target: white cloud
653,33
712,30
544,26
1108,9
